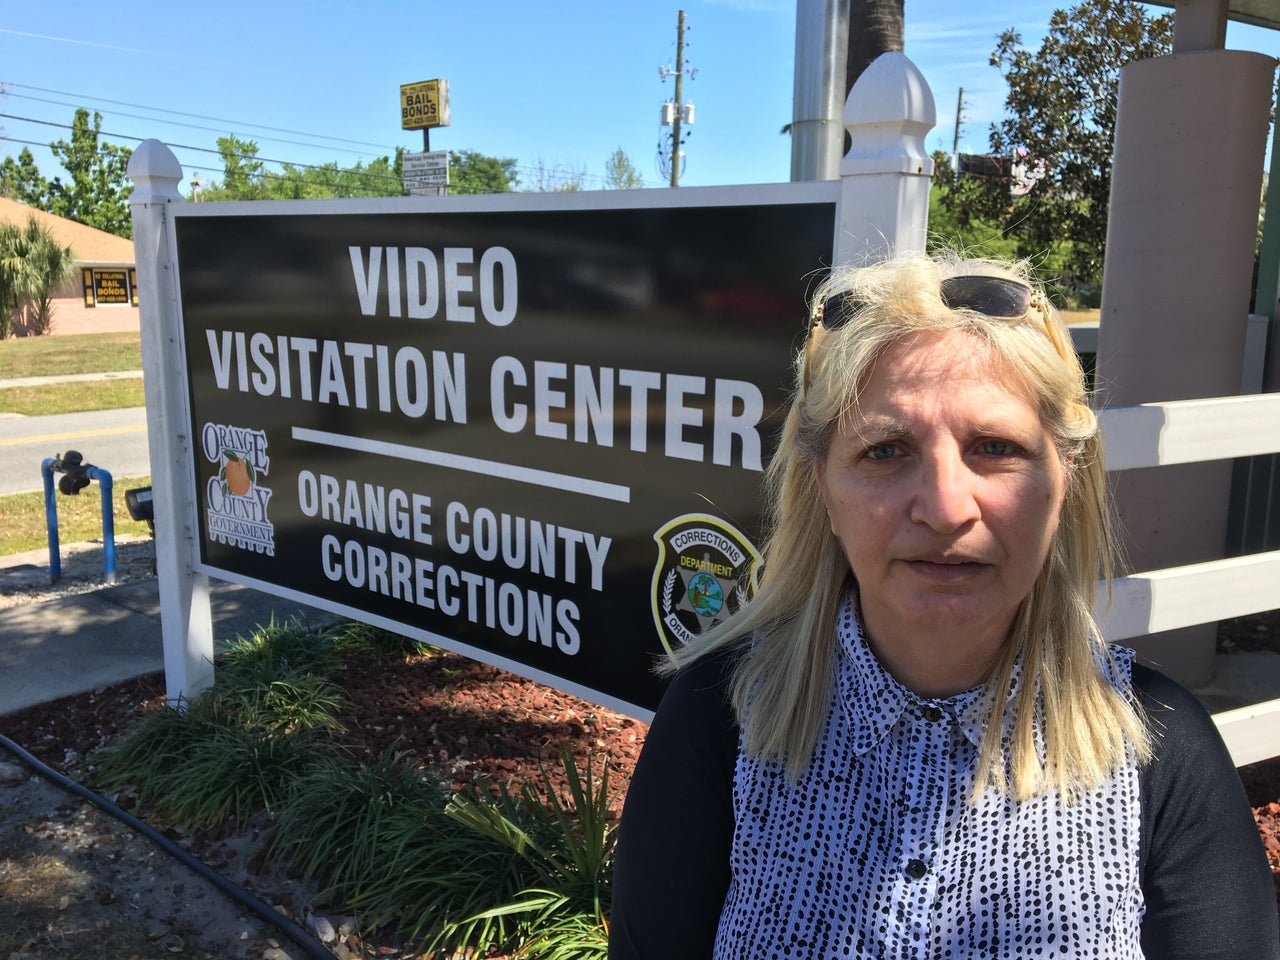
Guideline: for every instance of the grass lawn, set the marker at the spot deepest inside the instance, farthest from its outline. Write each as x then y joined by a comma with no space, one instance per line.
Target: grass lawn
22,520
23,526
75,353
73,397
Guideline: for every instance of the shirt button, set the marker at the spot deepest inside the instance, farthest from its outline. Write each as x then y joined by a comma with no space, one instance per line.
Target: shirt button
916,869
931,713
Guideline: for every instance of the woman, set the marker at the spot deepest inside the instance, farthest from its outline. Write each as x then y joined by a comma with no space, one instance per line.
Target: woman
912,742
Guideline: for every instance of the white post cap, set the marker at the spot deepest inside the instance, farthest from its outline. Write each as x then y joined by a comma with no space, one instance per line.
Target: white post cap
155,172
888,113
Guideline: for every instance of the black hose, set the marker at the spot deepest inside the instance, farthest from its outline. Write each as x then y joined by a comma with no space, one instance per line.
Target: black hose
295,932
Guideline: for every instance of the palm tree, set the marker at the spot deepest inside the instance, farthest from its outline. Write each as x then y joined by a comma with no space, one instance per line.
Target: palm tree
32,267
49,266
10,275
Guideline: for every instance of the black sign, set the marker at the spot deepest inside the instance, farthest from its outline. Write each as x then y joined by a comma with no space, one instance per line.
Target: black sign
111,287
535,437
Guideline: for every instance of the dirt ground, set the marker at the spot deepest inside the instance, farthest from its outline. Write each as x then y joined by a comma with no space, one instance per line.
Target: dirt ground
75,883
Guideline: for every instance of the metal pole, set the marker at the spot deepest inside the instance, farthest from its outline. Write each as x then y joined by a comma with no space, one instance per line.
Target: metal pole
955,141
817,132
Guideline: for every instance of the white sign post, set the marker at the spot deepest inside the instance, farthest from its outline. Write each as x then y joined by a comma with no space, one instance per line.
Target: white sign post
426,174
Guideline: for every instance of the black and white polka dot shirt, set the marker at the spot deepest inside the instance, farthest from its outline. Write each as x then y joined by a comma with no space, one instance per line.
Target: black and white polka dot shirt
878,851
879,854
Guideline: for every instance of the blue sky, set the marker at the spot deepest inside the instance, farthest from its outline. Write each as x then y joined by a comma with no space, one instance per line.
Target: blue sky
556,85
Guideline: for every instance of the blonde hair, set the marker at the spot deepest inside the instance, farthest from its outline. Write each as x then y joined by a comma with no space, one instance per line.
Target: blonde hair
781,684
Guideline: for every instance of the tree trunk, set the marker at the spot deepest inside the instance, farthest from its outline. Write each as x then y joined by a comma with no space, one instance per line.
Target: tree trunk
875,27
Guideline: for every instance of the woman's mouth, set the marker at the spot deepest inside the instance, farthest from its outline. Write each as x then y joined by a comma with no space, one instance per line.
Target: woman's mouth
947,569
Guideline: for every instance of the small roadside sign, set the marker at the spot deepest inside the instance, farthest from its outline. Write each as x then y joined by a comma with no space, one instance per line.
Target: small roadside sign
426,174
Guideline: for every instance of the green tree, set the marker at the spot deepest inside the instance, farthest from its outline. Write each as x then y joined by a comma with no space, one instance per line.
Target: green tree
20,180
620,173
1060,122
557,178
380,178
472,172
245,176
96,191
242,172
973,236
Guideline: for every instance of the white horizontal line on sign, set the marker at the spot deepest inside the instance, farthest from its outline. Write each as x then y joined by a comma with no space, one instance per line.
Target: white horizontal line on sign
489,468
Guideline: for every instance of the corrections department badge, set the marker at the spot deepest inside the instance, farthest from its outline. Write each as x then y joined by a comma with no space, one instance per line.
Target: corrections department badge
706,570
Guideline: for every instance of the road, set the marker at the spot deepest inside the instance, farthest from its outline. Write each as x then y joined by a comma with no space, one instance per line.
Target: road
112,440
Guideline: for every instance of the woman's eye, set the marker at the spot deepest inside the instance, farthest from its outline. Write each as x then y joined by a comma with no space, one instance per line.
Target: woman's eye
999,448
881,451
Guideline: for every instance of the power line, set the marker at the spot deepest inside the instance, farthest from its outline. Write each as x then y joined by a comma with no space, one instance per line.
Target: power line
193,126
537,174
263,174
540,174
532,173
180,146
457,189
180,113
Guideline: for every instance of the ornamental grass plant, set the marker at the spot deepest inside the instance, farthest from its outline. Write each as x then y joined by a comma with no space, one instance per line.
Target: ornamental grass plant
376,837
564,846
386,838
198,765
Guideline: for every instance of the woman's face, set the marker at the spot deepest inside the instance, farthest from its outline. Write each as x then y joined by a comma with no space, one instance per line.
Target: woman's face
944,488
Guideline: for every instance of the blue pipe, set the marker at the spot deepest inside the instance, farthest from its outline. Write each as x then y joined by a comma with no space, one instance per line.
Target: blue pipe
51,518
108,523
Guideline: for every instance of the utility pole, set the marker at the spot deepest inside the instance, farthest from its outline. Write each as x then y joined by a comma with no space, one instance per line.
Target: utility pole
675,123
675,114
955,143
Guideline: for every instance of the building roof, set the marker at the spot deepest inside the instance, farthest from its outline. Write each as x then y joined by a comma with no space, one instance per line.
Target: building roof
89,244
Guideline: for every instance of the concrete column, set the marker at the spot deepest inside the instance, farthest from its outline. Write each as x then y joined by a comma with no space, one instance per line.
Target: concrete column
885,176
1191,130
185,618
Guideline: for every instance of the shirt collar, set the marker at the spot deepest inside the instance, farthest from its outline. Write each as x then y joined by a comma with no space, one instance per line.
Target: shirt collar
874,701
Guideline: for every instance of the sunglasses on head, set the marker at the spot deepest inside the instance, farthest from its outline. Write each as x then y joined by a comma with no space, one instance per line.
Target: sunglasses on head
991,296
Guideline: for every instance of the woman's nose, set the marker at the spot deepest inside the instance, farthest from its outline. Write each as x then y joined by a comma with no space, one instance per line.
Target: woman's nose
945,496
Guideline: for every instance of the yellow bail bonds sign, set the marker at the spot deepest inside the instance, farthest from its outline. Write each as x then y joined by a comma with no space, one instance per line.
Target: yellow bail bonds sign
533,436
424,105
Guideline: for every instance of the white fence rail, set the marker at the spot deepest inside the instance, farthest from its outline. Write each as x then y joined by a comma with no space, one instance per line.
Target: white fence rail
1189,431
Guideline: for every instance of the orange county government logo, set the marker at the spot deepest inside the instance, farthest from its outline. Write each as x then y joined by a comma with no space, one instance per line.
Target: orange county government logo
235,499
706,570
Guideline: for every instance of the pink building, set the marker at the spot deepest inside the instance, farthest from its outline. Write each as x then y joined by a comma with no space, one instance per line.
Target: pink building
102,296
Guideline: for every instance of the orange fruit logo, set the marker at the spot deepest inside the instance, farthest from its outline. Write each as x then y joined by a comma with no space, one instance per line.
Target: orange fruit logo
236,474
